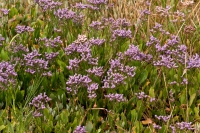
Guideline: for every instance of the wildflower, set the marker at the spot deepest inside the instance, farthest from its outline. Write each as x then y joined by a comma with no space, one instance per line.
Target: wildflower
80,129
39,103
21,28
5,11
117,97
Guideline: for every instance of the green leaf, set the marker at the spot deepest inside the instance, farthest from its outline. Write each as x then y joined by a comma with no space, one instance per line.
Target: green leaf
89,126
192,97
151,92
2,127
143,76
4,55
13,11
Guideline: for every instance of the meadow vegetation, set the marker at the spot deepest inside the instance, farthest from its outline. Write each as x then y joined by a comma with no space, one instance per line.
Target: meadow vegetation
99,66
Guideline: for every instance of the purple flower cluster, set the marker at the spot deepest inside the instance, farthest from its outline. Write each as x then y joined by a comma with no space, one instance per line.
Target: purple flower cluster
85,6
178,16
113,79
141,95
97,71
22,28
164,118
97,41
64,13
116,24
133,53
77,80
51,42
82,47
164,12
194,61
165,60
97,2
80,129
39,104
91,90
5,11
155,126
184,125
121,33
19,48
35,64
48,4
7,75
117,97
96,25
52,55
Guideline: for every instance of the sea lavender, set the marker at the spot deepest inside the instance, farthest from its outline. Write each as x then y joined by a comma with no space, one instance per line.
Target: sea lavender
51,42
64,13
121,33
78,80
80,129
133,53
141,95
184,125
48,4
113,79
163,11
98,71
194,61
164,118
117,97
5,11
7,75
22,28
35,64
52,55
156,126
97,42
73,63
39,103
96,25
166,61
97,2
91,90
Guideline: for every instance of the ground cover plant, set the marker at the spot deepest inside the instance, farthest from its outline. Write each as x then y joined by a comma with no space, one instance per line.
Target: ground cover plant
99,66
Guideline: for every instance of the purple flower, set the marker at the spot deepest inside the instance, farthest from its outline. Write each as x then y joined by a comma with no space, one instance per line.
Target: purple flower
50,56
22,28
96,25
156,126
98,71
141,95
7,75
97,2
91,90
97,41
80,129
117,97
48,4
121,33
134,53
5,11
164,118
64,13
167,61
184,125
38,103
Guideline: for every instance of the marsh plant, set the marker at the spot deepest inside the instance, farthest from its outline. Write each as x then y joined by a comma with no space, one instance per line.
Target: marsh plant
88,66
